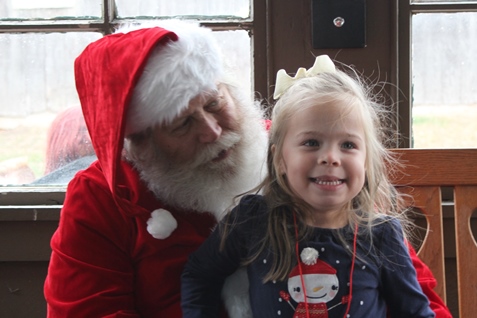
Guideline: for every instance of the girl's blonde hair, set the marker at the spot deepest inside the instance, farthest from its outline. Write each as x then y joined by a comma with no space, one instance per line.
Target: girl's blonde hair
375,203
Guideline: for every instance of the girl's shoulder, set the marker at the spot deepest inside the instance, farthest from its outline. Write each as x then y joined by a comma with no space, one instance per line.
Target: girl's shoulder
251,205
248,215
387,237
252,199
386,226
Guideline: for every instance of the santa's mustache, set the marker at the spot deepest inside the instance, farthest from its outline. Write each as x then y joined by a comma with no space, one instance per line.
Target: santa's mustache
210,152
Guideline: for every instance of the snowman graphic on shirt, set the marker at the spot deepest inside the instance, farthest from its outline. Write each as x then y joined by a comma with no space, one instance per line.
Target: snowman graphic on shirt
320,281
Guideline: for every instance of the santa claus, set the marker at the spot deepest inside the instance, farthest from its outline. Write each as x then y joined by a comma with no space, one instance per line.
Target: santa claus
176,140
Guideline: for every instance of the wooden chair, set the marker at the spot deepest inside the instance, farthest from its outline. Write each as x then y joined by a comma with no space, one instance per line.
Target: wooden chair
424,173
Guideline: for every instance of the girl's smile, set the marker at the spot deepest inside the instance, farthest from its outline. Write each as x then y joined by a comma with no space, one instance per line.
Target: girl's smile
327,183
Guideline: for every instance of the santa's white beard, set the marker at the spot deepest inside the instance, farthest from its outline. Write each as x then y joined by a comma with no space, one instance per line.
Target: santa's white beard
206,186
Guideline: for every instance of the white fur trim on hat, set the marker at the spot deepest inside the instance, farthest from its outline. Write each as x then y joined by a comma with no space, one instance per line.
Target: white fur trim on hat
175,73
161,224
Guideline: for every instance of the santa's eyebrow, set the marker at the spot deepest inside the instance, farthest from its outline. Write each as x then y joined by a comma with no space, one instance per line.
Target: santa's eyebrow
212,93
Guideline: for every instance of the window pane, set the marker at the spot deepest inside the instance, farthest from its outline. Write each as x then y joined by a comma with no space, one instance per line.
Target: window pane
167,8
47,9
444,73
237,56
36,84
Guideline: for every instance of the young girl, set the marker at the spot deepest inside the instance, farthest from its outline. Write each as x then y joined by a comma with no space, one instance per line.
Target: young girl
326,238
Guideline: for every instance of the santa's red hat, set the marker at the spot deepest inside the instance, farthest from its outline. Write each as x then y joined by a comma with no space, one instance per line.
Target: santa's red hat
311,264
176,71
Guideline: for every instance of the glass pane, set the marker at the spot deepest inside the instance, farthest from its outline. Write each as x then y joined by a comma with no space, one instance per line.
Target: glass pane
36,84
444,73
167,8
237,56
47,9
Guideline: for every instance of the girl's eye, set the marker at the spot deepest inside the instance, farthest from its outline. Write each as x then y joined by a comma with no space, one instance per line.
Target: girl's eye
311,143
349,145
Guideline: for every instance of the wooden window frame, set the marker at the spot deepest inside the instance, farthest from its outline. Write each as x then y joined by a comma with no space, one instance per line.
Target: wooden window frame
405,10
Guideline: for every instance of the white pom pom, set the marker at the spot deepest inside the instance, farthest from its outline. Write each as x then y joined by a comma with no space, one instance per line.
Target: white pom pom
309,256
161,224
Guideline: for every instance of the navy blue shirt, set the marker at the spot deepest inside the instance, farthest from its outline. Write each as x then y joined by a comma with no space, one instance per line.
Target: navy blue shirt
383,277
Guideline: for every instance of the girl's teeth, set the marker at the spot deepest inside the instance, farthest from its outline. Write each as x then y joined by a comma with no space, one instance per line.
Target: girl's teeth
333,183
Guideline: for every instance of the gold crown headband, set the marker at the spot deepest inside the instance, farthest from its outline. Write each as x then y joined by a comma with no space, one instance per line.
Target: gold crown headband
323,64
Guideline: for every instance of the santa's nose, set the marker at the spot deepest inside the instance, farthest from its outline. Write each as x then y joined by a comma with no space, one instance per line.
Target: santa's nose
210,129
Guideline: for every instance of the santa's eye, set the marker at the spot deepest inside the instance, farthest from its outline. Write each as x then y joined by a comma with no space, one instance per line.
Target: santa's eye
297,289
334,287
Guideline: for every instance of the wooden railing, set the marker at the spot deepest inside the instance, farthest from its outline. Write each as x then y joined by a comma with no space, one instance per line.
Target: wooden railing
424,173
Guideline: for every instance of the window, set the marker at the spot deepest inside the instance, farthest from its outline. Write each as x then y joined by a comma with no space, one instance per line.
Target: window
39,40
437,73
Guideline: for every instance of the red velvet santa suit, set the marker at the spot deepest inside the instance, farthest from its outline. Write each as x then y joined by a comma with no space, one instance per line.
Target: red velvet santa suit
104,262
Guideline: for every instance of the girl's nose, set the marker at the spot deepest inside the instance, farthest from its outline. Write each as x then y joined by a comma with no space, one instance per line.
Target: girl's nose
329,157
